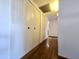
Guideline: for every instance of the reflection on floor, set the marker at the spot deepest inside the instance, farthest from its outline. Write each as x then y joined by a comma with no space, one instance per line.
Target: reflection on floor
48,49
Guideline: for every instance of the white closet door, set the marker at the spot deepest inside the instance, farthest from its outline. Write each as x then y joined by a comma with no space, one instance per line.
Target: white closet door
36,27
43,27
28,26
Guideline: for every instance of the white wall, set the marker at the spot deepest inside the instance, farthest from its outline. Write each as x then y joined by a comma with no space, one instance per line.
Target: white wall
47,28
53,26
24,15
69,29
32,19
43,28
5,24
17,39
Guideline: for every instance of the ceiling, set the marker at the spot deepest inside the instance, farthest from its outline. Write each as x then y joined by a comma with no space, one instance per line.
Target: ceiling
40,3
44,4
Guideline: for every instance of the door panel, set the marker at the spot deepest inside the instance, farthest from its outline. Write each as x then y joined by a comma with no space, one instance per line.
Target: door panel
28,26
36,27
43,27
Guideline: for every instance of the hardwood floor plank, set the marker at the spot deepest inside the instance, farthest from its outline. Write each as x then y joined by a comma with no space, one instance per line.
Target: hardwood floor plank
46,50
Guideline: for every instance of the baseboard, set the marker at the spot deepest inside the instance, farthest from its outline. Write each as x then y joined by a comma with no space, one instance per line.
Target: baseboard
62,57
53,36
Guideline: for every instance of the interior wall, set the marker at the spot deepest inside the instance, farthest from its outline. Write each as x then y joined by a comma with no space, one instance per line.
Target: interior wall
5,33
26,28
47,28
43,27
17,39
53,25
69,29
32,20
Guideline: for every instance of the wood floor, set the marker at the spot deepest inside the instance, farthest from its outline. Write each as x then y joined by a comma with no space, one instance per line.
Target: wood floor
48,49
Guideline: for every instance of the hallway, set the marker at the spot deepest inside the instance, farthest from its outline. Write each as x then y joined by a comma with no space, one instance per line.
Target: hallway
39,29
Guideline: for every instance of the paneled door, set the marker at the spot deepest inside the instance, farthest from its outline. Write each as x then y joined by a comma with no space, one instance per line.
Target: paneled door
43,27
28,9
36,26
